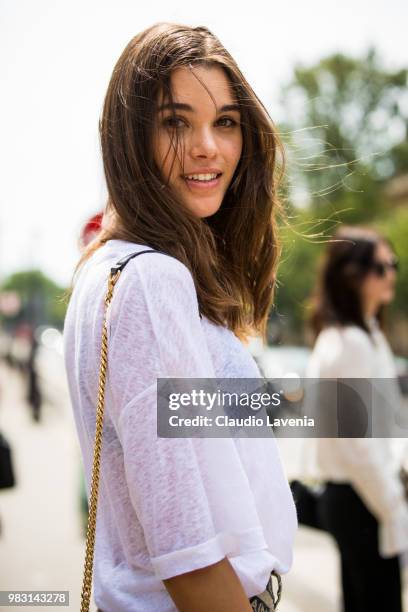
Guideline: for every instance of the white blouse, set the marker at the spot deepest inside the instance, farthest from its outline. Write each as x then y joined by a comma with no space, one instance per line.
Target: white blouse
167,506
369,464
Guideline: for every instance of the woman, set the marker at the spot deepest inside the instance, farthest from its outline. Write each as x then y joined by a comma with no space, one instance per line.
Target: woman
363,505
189,157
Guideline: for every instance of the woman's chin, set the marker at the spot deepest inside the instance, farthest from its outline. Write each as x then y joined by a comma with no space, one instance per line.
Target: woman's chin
204,208
388,297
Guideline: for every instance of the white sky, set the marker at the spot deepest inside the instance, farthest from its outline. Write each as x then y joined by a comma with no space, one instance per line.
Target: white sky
55,62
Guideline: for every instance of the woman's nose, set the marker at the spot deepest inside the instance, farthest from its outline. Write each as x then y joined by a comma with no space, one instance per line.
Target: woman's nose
203,144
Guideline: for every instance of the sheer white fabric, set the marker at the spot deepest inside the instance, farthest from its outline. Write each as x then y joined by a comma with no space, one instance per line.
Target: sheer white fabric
167,506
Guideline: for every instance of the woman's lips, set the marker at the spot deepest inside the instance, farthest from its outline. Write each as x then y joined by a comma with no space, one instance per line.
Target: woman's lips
203,185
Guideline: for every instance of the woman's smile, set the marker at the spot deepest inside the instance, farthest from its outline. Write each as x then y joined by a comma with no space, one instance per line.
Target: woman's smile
203,179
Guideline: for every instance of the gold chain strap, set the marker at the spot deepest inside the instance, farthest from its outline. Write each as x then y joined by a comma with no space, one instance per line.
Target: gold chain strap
93,501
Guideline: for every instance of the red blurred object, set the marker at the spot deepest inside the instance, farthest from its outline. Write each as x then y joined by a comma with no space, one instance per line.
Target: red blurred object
90,229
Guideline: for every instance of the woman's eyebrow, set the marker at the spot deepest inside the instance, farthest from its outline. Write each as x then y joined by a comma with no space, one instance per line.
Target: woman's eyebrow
186,107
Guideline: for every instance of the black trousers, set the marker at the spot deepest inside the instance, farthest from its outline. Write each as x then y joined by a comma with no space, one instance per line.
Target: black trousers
369,581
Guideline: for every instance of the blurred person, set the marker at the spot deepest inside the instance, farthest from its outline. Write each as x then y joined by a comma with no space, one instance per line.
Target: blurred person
190,160
90,230
34,396
363,504
20,346
23,351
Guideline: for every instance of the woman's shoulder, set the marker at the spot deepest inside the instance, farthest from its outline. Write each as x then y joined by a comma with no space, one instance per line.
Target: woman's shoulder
154,270
153,283
347,336
342,351
158,271
147,264
357,338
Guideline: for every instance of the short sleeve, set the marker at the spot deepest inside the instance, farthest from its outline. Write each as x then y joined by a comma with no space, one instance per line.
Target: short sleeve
191,496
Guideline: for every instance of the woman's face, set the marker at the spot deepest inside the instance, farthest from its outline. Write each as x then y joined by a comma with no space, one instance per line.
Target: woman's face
378,286
209,138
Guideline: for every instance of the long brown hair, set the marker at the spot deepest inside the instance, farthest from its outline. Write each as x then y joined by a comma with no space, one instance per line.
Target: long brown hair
232,254
347,261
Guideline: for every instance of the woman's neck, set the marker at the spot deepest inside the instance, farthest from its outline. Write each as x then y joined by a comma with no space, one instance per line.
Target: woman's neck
370,309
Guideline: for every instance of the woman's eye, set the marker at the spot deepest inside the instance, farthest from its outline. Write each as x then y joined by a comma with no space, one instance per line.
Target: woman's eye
226,122
173,122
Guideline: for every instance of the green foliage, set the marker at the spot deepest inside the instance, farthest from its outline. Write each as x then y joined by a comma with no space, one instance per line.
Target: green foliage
40,296
345,132
347,120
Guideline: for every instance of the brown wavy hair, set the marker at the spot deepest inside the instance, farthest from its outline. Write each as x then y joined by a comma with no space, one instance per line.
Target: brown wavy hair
347,261
233,254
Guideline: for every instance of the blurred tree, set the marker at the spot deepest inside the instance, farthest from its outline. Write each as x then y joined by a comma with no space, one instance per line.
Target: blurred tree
40,297
347,124
345,133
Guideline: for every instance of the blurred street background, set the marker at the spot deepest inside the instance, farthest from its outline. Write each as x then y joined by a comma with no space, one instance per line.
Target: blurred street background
335,82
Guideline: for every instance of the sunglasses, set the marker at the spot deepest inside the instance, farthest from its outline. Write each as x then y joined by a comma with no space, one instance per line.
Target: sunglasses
380,267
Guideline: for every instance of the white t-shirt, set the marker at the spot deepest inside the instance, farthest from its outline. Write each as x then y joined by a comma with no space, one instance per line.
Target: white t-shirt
369,464
167,506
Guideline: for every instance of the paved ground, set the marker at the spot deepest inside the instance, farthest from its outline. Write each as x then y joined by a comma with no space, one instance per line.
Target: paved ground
41,546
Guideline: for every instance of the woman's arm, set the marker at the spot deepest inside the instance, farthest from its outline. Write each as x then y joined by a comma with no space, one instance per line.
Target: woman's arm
215,587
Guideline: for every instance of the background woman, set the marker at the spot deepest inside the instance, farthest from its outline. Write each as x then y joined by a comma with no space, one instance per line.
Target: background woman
190,163
363,506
